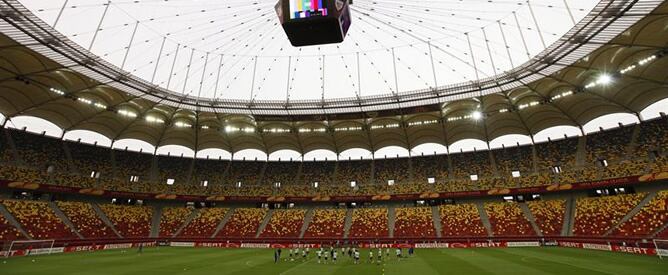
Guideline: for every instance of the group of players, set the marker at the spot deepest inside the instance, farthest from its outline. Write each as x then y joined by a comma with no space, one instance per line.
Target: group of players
331,254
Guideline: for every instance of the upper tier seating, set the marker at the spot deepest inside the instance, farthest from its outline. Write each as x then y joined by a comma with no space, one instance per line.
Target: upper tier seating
172,219
369,223
39,220
40,152
549,215
609,145
414,222
430,167
595,216
511,159
284,224
471,163
280,172
653,136
461,220
86,220
130,221
355,170
395,169
205,223
113,168
326,223
556,153
317,171
507,219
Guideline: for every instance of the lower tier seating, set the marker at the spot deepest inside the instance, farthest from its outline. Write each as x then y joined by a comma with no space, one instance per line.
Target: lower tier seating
414,222
369,223
130,221
595,216
507,219
172,219
8,232
549,216
86,220
205,223
39,220
461,220
284,224
649,219
326,223
244,223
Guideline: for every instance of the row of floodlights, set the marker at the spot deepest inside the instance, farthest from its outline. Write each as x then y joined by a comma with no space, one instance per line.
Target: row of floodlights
603,79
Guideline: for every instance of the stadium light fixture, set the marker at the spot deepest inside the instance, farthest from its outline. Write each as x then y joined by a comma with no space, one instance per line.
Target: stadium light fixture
57,91
127,113
604,79
477,115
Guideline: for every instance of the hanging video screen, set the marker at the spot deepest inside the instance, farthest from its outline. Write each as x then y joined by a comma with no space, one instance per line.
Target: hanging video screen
307,8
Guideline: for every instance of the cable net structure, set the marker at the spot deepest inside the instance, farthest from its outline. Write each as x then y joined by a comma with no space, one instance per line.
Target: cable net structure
238,50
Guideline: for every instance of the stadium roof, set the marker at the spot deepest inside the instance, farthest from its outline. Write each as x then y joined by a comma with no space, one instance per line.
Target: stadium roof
611,61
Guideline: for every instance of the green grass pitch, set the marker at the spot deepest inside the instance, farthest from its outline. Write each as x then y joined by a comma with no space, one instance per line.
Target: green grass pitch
169,260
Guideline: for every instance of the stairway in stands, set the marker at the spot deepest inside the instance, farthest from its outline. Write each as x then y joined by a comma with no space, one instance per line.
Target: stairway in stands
224,221
264,223
190,217
348,223
633,212
485,219
155,222
569,216
391,219
436,218
307,220
105,219
10,218
529,216
64,219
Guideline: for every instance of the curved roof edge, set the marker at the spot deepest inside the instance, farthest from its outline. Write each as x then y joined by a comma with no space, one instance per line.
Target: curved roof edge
606,21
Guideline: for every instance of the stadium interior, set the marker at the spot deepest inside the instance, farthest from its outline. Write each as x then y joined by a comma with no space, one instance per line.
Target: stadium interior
579,185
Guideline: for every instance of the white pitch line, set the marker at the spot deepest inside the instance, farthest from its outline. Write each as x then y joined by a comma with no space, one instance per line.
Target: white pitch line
285,272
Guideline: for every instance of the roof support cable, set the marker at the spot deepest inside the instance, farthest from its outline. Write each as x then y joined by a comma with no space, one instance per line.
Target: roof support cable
157,61
127,51
190,62
287,86
215,89
60,13
475,67
433,67
359,76
252,98
524,41
489,51
533,16
99,25
505,44
201,81
396,78
171,70
323,79
570,13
